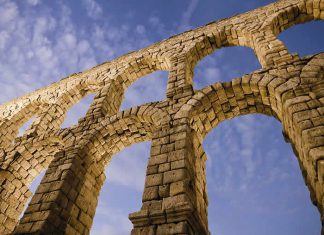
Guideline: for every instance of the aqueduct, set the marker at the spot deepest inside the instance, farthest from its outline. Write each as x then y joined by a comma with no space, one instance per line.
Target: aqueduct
174,199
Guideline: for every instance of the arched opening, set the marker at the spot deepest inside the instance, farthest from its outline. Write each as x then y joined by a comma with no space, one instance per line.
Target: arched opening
33,186
224,65
18,123
77,111
149,88
26,126
304,39
254,181
122,191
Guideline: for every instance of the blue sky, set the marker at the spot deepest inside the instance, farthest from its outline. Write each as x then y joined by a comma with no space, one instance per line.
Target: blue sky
254,182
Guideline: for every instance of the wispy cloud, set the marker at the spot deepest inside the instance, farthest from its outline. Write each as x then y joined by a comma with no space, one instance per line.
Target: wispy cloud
44,48
208,72
186,16
33,2
159,27
129,161
38,50
126,172
230,149
8,12
93,9
150,88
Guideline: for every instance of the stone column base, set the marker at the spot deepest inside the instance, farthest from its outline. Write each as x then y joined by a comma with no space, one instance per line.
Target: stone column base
180,220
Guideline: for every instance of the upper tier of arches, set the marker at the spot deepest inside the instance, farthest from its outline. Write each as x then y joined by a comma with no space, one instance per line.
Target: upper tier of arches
109,81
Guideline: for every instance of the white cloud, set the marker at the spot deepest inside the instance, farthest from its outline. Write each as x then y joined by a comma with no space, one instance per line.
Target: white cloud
111,229
140,29
4,36
8,12
129,161
40,50
186,16
93,8
33,2
126,172
208,71
42,26
141,92
158,26
239,149
240,163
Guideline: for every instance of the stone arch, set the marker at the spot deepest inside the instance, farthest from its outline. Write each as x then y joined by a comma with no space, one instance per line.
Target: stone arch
235,144
91,154
221,101
215,37
141,66
9,127
126,128
20,167
77,200
205,43
303,127
293,99
270,50
38,152
49,112
116,80
53,114
300,12
108,99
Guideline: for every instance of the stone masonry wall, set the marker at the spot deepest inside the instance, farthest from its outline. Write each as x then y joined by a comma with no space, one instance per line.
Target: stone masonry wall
175,196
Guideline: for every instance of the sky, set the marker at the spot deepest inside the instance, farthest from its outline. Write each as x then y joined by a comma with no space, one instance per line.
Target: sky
254,181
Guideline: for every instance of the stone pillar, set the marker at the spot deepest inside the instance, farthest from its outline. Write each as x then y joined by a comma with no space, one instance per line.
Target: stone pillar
108,100
174,198
303,121
180,76
13,197
66,199
270,50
